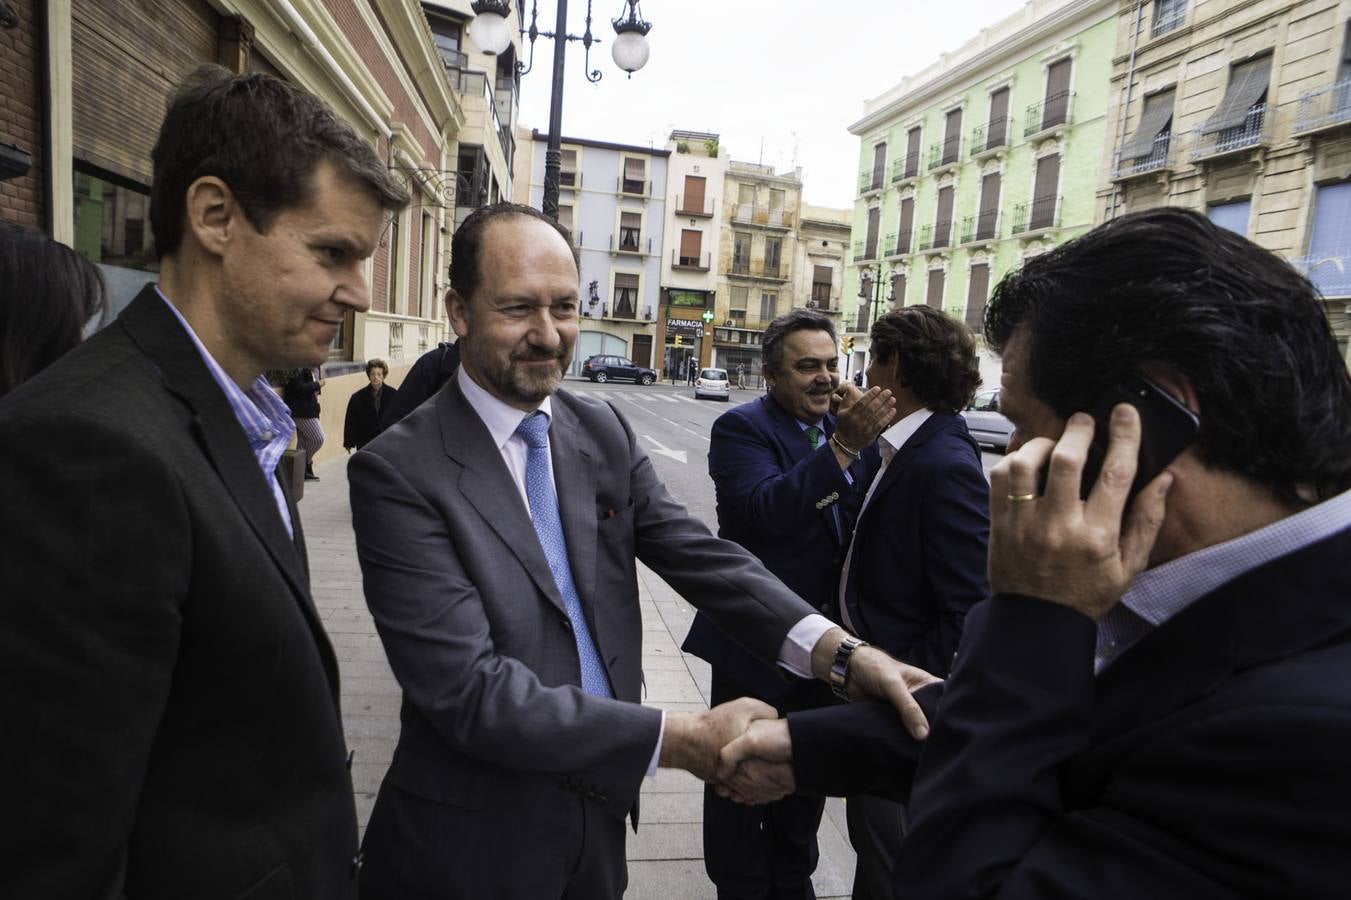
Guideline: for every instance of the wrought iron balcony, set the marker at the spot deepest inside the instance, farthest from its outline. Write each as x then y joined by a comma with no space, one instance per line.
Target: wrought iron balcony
947,153
991,137
630,241
758,268
1254,132
694,263
983,226
749,214
1042,213
865,249
1324,108
905,168
935,237
1049,114
631,186
901,245
872,181
685,206
1156,161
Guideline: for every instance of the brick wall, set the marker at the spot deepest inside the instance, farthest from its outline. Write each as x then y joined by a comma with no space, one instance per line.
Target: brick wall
21,199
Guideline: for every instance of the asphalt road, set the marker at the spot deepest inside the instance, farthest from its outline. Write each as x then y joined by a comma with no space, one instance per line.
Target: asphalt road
673,427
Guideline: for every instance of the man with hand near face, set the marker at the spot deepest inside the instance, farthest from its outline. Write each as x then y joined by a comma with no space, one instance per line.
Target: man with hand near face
788,481
171,700
498,527
1154,703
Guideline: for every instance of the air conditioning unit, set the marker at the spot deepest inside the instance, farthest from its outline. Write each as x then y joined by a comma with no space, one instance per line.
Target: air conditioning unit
811,304
728,323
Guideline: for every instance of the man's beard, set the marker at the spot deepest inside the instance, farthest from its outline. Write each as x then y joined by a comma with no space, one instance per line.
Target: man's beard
521,383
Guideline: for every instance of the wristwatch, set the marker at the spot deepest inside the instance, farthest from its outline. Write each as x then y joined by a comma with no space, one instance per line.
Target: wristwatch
839,668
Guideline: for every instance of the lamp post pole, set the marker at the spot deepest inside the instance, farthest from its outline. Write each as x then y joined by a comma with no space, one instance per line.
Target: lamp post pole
553,155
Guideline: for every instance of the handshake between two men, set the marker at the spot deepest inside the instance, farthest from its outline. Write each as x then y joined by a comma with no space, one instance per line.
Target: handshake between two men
743,747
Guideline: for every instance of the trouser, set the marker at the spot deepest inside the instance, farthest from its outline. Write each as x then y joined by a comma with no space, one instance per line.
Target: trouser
759,852
309,438
876,827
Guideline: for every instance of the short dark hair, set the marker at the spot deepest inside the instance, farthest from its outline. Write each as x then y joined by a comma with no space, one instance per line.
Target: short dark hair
796,319
937,354
50,294
466,247
1170,288
263,138
373,364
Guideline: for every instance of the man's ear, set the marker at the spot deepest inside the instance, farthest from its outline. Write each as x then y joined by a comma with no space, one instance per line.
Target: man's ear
457,310
211,214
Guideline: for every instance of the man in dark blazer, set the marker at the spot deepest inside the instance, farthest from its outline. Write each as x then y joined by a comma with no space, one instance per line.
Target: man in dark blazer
917,560
427,376
498,527
171,714
788,494
366,408
1154,703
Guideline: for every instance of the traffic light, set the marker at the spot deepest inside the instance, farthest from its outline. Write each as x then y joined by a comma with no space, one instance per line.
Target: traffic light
848,343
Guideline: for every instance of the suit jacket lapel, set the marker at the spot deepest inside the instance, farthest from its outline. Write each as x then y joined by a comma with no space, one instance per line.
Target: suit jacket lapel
216,429
796,445
901,461
488,486
575,460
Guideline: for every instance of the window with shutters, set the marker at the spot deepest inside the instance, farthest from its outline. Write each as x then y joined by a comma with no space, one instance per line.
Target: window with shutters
952,136
694,201
777,198
634,180
691,246
987,219
1147,148
630,232
567,167
905,227
933,295
1329,261
745,202
943,218
898,290
565,216
977,291
1045,200
741,253
910,164
736,310
997,126
823,277
870,241
879,170
769,306
773,257
1237,122
626,295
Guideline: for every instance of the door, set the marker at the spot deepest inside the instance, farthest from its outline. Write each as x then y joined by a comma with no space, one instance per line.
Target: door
996,131
1044,192
988,219
1057,107
642,350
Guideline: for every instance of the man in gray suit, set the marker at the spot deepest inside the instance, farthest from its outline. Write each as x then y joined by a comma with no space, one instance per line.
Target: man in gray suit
498,527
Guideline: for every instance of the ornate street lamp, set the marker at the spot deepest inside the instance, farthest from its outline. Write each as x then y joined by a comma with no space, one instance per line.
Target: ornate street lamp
490,31
869,289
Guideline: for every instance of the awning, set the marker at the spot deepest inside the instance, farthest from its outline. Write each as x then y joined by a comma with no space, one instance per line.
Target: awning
1247,84
1157,114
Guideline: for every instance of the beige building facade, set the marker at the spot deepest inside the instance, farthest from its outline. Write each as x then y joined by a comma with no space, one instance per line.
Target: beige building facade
1241,110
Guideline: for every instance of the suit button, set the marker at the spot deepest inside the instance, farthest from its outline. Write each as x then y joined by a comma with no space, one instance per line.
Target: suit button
567,624
357,862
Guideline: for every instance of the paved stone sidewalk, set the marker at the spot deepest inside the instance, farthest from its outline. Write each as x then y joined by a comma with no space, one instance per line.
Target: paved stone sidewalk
665,856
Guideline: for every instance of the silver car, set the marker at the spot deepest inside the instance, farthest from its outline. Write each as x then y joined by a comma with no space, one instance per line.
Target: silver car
712,383
986,423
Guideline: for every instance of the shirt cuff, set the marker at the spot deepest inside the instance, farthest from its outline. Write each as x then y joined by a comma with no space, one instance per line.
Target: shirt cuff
656,752
796,653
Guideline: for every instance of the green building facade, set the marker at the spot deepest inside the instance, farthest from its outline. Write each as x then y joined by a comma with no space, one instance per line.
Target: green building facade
979,162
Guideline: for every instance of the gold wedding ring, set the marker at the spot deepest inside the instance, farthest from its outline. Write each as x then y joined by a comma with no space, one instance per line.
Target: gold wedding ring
1016,497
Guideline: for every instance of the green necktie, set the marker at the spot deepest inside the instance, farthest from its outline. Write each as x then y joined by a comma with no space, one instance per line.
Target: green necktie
814,435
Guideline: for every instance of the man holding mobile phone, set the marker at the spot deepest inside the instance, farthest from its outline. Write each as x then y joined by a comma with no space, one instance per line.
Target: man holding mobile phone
1157,699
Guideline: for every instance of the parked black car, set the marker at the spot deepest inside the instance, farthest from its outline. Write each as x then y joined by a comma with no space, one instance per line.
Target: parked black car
604,367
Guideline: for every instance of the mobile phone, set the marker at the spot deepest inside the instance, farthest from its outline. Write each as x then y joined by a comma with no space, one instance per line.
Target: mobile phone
1166,429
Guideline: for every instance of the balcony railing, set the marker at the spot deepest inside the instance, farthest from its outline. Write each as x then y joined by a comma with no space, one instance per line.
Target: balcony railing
1049,114
935,236
758,268
905,167
686,206
901,245
872,181
945,154
570,179
1156,161
865,249
1254,132
696,263
1324,108
631,186
761,215
990,137
983,226
1040,214
630,241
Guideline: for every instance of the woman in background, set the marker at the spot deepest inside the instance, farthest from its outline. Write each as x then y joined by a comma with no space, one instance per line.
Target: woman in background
48,295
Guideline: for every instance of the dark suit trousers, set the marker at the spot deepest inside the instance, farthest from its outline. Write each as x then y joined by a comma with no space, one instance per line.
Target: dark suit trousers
759,852
876,827
421,849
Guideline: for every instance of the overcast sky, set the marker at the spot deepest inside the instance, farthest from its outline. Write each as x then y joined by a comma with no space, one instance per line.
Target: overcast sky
780,80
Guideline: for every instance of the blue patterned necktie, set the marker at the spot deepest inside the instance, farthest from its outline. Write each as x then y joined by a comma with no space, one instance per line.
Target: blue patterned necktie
539,489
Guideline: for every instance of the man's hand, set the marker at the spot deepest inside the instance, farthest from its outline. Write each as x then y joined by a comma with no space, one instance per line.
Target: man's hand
861,416
694,740
873,673
1058,547
755,767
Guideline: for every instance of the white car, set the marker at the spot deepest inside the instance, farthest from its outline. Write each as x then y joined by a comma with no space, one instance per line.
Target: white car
712,383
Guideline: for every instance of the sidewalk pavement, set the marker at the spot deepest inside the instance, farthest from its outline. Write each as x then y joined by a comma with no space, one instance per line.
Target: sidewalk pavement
666,855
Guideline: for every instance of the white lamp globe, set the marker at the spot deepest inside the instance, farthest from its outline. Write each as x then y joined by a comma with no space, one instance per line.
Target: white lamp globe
490,32
630,51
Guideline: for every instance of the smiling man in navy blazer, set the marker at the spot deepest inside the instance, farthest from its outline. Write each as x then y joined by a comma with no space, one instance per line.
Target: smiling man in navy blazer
789,481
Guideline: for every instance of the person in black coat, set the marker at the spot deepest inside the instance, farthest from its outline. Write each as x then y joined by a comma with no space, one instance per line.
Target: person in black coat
301,395
428,375
366,408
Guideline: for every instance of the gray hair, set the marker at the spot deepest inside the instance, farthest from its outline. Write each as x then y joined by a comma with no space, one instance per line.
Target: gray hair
797,319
